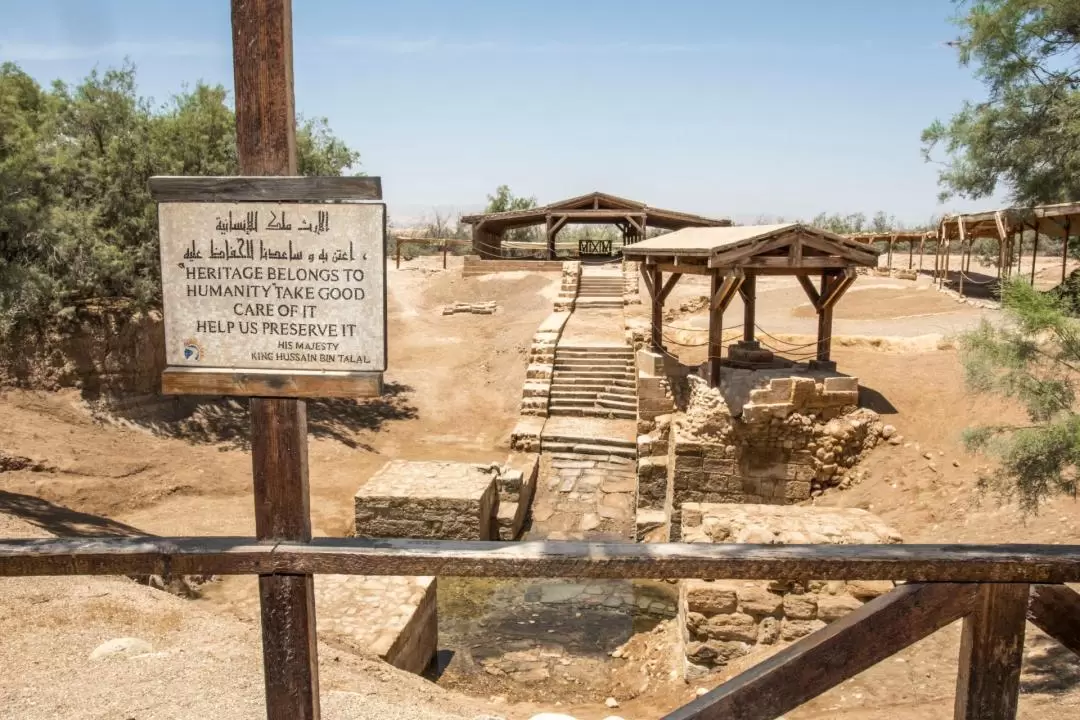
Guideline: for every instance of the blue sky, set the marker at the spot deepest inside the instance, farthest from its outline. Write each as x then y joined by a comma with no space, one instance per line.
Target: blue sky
738,109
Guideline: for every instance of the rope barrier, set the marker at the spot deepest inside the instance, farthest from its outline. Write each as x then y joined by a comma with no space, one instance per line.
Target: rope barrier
973,281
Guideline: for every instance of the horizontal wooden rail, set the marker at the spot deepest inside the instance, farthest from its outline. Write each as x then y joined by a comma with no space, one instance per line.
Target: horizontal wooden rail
345,556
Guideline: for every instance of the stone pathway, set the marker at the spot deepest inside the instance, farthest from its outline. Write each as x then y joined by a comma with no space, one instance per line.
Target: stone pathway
585,496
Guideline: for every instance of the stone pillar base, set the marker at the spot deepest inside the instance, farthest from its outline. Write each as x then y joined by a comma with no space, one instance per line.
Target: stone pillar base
749,353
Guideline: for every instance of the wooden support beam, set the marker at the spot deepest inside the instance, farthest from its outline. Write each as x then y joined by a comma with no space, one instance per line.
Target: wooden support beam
991,650
1055,609
828,657
749,298
922,248
892,240
1034,251
1065,247
726,292
655,283
669,286
716,330
558,225
795,254
825,317
266,145
806,262
837,288
811,291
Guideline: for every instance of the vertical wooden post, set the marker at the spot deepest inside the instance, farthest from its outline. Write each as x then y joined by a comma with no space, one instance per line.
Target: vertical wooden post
1065,246
937,261
716,331
749,297
1019,235
948,254
991,650
891,241
397,253
824,328
1034,252
657,307
550,238
266,145
444,254
910,253
922,248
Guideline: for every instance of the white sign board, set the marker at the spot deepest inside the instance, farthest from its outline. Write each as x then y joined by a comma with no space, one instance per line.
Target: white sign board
274,286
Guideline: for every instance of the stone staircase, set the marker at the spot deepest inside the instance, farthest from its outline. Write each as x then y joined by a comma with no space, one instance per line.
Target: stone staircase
600,290
594,381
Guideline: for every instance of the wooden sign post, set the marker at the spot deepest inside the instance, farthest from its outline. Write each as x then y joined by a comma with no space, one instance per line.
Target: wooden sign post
274,287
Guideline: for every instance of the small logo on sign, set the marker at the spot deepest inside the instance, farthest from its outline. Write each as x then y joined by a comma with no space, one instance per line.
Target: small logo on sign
193,350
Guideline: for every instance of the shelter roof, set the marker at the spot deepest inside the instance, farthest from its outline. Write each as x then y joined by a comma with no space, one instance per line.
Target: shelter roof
593,207
900,236
738,245
1049,219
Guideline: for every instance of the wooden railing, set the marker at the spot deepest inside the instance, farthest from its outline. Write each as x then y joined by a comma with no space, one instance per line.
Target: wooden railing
994,588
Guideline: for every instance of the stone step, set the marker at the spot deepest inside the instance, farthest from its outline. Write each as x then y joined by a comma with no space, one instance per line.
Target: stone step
565,381
593,371
599,302
587,448
591,395
616,403
598,360
593,412
599,348
575,440
596,389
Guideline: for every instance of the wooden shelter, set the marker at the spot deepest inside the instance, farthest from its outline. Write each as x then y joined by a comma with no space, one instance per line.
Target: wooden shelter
733,257
1007,226
630,216
911,237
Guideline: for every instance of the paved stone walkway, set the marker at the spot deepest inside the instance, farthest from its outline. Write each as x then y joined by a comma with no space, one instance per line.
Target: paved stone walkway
585,496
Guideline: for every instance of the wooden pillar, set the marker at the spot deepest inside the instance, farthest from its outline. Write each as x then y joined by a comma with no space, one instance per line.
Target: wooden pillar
749,298
1019,235
910,254
716,332
550,238
1034,252
891,241
922,247
937,261
948,253
444,254
1065,246
266,145
657,278
991,651
824,328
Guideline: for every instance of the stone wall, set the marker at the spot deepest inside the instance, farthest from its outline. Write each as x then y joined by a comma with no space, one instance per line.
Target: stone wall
516,481
429,500
541,359
475,265
568,289
631,282
724,620
794,437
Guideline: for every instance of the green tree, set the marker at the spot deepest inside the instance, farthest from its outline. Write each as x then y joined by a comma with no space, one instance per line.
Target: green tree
1034,358
503,201
1024,137
76,219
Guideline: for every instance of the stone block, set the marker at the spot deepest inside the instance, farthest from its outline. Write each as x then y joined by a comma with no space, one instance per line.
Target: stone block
834,607
769,631
733,626
841,384
800,607
709,598
722,466
651,526
795,629
865,590
428,500
758,601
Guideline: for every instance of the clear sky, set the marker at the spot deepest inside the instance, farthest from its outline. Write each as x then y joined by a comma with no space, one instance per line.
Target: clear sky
739,109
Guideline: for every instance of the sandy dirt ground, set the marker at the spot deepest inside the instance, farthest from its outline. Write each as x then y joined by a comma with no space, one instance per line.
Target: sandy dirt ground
454,388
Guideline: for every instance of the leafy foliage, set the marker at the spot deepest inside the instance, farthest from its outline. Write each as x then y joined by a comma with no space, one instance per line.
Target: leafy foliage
1025,135
76,219
1033,358
504,201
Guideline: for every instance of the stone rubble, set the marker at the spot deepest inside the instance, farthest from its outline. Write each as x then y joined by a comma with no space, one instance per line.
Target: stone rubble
476,308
